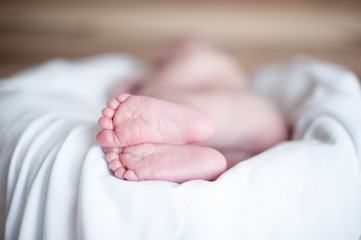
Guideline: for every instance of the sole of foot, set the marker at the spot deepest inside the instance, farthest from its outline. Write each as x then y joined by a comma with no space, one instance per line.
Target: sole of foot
176,163
130,120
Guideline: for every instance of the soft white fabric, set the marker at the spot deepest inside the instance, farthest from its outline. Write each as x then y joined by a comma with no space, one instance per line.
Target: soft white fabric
55,184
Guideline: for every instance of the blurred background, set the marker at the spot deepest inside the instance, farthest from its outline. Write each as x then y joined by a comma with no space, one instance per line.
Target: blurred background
256,32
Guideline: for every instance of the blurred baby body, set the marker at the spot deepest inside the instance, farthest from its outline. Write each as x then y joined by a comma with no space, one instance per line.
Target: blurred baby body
196,96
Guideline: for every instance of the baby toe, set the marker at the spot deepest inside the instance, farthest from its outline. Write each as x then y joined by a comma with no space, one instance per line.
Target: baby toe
105,123
108,112
119,173
115,165
107,138
111,156
113,104
122,97
130,176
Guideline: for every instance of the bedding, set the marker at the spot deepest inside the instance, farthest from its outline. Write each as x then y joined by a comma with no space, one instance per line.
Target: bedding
55,183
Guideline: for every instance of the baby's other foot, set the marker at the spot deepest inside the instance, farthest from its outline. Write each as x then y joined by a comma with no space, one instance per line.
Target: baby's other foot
176,163
130,120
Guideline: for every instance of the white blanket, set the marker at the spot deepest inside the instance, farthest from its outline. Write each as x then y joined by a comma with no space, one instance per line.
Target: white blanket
55,183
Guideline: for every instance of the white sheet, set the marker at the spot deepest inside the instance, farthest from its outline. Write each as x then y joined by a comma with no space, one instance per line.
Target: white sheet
55,184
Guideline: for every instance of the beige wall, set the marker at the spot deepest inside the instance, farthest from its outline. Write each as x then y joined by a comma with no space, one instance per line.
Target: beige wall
31,32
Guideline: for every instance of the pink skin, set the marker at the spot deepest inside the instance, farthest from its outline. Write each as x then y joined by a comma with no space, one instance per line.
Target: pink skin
153,161
131,120
198,96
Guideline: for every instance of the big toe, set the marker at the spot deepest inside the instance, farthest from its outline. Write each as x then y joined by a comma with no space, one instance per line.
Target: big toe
108,112
130,176
105,123
107,138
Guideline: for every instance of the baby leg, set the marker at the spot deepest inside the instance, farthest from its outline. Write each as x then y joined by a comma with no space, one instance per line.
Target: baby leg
243,119
207,78
176,163
193,64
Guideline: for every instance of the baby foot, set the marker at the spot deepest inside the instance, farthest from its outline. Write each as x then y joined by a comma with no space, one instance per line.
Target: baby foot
176,163
130,120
